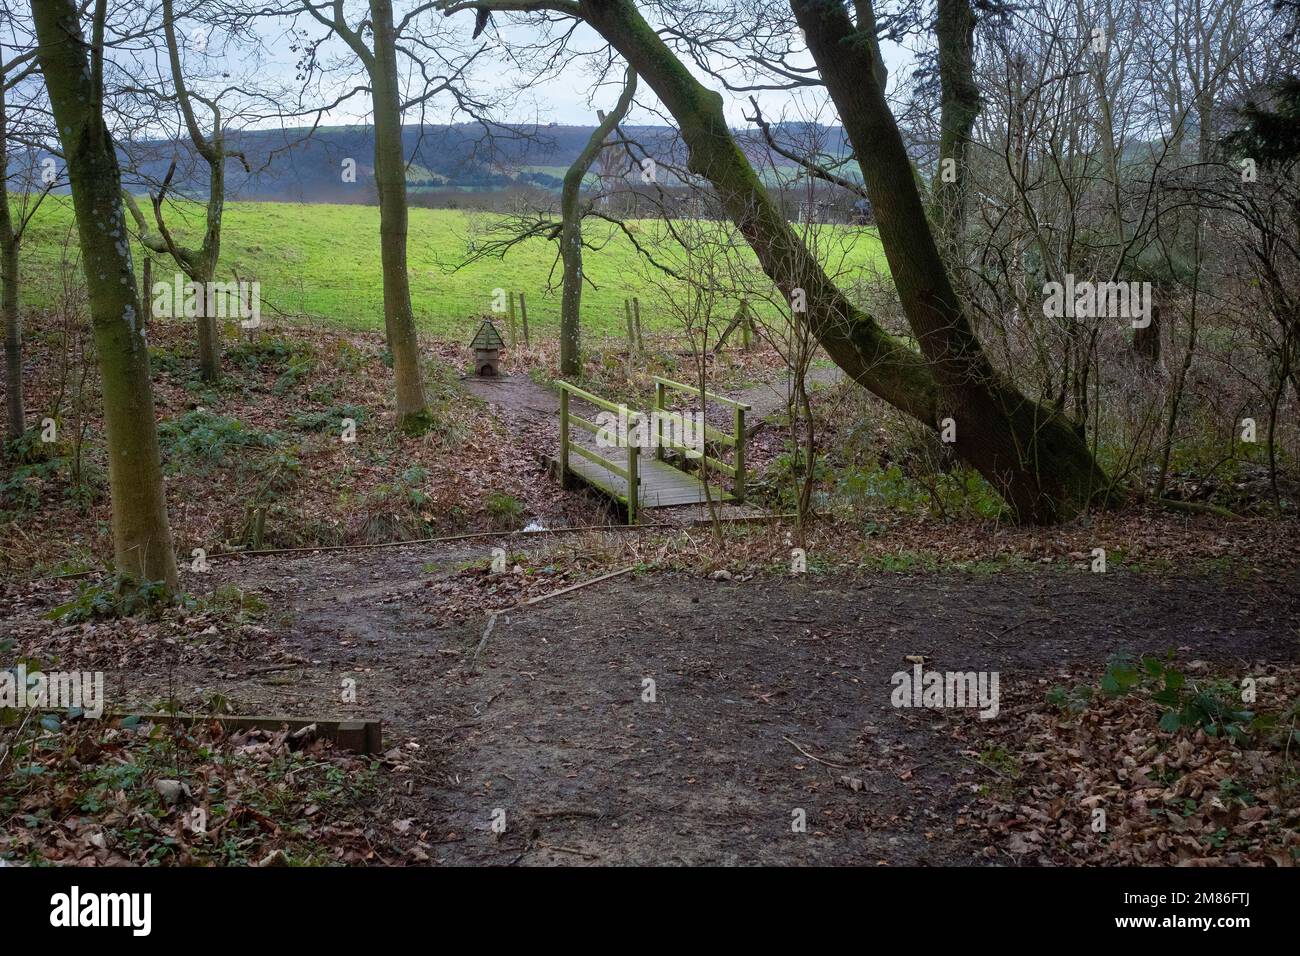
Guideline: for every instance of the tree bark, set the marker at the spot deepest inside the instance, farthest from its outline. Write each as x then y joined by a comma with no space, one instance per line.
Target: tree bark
954,30
142,541
15,415
390,181
1039,464
571,232
854,340
1146,341
1036,461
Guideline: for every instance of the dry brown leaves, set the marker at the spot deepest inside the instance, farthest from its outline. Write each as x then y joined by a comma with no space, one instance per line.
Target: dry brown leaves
1182,799
95,794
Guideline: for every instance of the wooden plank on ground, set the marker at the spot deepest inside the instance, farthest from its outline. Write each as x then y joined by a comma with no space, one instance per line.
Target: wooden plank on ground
361,736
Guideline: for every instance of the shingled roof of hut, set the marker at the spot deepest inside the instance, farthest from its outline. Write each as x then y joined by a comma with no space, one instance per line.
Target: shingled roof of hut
487,337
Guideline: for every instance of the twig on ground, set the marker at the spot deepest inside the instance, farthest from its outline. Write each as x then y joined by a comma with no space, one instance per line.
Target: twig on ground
837,766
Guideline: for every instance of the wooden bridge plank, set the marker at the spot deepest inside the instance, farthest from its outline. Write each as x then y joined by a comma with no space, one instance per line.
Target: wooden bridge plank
662,485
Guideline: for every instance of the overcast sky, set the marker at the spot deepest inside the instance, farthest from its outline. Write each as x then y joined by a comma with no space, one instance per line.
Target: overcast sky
568,98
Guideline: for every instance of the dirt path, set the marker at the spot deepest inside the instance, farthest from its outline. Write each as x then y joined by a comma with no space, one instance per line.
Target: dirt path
521,402
751,682
516,397
772,398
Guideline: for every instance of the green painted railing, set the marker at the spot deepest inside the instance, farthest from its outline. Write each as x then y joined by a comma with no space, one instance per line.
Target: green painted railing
629,474
736,440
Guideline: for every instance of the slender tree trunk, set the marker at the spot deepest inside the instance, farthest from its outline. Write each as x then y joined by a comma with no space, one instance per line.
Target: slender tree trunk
960,104
571,233
1037,462
200,264
209,334
15,416
142,539
390,180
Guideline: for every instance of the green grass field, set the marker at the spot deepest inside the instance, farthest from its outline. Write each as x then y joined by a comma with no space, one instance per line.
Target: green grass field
321,263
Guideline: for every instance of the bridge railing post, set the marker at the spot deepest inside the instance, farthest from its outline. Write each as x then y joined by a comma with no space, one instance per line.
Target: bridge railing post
738,485
564,437
633,479
660,406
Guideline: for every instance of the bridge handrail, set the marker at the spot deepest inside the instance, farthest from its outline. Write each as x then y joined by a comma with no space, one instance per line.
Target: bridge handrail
593,399
695,390
735,441
630,474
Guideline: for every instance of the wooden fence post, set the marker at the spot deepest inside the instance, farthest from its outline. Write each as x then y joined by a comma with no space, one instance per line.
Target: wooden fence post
523,315
659,422
746,324
738,486
636,314
564,438
633,482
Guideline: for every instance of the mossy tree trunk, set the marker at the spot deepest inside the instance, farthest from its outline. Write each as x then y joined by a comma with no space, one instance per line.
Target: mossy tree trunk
571,232
380,63
14,413
390,181
1036,461
142,540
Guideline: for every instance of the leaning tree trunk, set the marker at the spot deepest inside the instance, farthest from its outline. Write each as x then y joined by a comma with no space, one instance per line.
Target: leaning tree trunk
1039,464
142,540
571,232
1033,458
15,415
878,361
390,180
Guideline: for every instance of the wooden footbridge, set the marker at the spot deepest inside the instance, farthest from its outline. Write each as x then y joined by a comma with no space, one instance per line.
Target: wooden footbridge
665,456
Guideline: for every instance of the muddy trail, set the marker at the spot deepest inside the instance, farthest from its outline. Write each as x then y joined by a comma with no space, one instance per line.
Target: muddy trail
770,696
662,717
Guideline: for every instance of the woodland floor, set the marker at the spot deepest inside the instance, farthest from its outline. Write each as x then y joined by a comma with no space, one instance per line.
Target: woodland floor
772,691
750,676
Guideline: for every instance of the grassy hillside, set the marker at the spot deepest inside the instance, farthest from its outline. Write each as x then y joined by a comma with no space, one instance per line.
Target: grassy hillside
321,262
